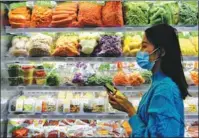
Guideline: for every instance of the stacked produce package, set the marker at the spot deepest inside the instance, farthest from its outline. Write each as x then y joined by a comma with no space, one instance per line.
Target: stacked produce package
91,44
57,56
107,14
19,15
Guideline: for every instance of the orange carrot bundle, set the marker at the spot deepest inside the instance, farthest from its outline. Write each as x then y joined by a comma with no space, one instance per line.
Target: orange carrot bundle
194,76
120,79
64,15
135,79
19,17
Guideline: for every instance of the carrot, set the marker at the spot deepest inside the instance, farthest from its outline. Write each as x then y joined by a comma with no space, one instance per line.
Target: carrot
60,17
63,12
120,78
61,22
66,8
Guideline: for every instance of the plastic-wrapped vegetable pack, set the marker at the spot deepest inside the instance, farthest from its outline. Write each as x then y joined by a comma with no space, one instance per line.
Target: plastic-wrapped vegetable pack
158,13
40,45
109,46
19,15
41,14
132,43
187,48
20,46
112,14
136,13
194,39
65,14
84,71
88,41
188,13
67,45
90,14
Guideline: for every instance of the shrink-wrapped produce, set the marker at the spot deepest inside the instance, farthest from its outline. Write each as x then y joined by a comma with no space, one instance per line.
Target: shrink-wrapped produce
132,44
109,46
20,46
88,41
19,15
41,14
66,45
64,15
40,45
112,15
90,14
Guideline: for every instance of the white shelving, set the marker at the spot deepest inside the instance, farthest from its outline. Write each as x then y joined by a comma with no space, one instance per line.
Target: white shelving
77,88
91,29
85,59
132,89
113,116
109,116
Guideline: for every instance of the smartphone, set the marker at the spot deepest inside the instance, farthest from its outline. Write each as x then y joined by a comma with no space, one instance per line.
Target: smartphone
111,89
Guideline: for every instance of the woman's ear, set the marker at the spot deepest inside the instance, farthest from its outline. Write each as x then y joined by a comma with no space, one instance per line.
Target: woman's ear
162,52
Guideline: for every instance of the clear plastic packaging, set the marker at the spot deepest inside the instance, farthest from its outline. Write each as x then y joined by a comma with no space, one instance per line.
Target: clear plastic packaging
63,106
75,106
98,105
29,104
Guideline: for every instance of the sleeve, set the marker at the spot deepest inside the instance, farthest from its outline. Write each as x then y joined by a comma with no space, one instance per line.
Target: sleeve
163,121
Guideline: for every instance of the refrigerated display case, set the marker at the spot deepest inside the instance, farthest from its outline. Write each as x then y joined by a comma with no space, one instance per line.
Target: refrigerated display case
56,56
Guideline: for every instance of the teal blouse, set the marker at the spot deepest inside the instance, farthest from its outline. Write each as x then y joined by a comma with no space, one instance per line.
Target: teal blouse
161,110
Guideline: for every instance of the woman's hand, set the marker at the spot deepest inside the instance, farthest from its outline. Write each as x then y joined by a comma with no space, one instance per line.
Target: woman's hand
122,104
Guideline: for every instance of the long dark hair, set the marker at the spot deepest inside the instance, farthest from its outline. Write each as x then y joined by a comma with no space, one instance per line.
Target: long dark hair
165,37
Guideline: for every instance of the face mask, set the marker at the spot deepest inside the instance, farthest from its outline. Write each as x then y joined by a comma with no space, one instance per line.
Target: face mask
143,61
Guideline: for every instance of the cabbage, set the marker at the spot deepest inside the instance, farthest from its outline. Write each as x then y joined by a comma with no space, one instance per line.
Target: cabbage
109,46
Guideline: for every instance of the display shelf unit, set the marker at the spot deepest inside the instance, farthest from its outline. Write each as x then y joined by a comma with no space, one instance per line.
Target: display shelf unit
85,59
91,29
133,89
113,116
109,116
77,88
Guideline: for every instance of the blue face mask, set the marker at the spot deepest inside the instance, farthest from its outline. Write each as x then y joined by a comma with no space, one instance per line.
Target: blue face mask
143,60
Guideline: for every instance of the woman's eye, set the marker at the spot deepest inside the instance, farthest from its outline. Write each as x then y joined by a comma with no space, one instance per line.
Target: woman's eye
144,46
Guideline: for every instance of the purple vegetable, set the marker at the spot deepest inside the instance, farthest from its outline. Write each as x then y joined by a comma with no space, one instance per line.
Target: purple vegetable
109,46
78,78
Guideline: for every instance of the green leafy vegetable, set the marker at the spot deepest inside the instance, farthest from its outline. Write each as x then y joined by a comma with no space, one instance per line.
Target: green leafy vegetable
188,14
98,80
160,13
136,13
53,79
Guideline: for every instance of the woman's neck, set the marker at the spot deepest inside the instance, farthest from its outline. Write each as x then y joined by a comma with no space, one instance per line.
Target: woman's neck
156,67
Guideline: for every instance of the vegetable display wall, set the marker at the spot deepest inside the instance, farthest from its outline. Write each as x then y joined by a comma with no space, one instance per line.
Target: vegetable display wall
57,56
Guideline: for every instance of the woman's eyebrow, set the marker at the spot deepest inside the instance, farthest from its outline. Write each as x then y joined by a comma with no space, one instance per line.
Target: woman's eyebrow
144,42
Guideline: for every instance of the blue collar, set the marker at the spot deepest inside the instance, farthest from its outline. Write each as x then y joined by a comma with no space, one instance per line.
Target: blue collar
158,76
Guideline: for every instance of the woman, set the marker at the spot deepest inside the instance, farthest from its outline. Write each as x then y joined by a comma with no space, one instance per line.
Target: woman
161,110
